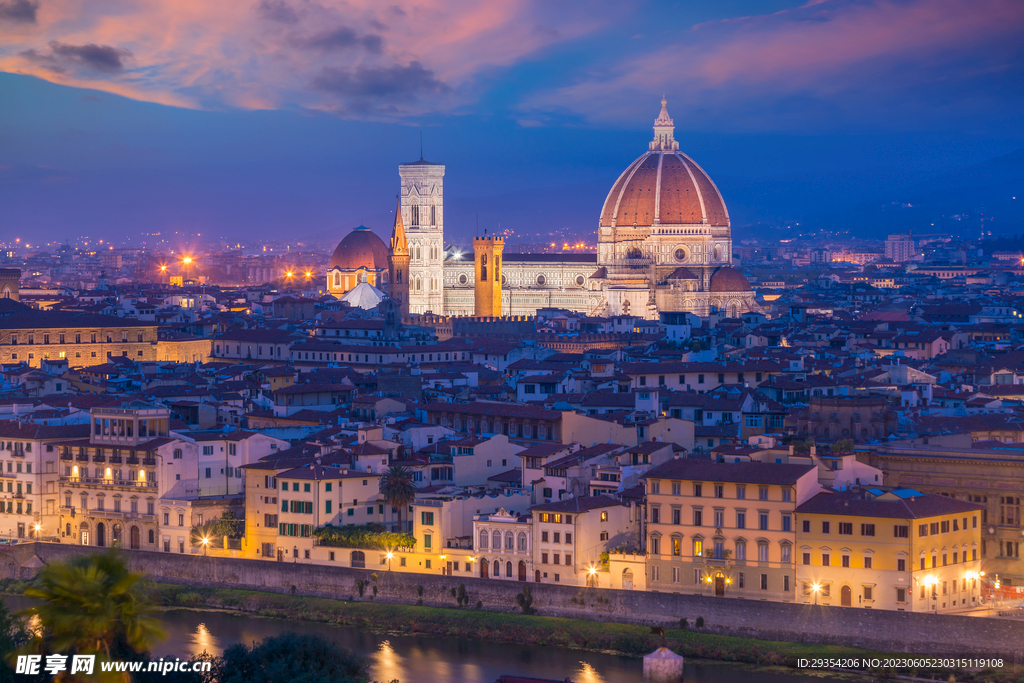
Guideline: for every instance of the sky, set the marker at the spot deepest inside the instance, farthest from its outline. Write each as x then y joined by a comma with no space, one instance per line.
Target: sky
286,119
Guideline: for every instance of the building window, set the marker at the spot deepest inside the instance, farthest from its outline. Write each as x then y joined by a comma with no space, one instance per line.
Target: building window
764,582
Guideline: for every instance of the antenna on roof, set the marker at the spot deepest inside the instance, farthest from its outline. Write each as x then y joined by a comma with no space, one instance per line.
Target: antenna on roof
421,144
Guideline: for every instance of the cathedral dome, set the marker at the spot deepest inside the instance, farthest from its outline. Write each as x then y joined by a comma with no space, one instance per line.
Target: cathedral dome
361,248
728,279
664,187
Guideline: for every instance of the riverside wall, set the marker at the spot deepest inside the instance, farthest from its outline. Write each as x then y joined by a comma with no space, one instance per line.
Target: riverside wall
918,633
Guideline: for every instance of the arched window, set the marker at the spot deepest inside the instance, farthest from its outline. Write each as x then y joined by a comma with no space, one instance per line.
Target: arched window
508,569
152,536
497,569
483,273
522,541
496,540
509,542
483,539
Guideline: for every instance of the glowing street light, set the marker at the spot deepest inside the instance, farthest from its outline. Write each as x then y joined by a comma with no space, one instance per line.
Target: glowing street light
38,528
187,260
816,588
389,556
309,274
206,542
288,274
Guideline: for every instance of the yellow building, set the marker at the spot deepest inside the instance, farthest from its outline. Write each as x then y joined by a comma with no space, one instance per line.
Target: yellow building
725,529
82,339
285,503
178,347
487,290
897,550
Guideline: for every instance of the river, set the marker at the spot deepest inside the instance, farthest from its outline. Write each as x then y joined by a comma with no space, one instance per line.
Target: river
433,659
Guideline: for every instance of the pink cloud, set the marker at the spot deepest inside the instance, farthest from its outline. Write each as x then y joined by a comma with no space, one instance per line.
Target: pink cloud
273,53
821,49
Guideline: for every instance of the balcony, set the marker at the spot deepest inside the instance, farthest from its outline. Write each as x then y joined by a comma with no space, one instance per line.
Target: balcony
82,457
66,455
119,514
98,458
116,460
132,460
99,481
716,562
149,462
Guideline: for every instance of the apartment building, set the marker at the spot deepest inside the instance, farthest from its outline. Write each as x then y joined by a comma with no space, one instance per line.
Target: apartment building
971,469
208,463
284,504
28,477
725,529
898,550
108,485
570,535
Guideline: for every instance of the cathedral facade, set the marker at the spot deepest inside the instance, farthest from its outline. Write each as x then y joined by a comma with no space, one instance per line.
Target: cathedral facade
664,245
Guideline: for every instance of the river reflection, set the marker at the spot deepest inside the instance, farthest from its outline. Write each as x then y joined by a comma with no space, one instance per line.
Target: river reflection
431,659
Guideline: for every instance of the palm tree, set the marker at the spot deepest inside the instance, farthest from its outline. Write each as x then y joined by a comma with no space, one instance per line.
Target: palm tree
397,488
93,605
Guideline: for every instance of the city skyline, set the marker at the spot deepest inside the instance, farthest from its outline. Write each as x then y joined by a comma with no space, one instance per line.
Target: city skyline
104,133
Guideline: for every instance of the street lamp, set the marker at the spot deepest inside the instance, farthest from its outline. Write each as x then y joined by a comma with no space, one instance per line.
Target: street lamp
389,556
592,576
933,583
206,542
37,528
309,274
816,588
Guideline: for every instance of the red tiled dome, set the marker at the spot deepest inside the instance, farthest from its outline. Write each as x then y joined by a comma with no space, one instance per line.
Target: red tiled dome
728,279
361,248
688,196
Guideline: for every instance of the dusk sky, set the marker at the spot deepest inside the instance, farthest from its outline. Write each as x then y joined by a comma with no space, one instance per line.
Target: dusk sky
287,118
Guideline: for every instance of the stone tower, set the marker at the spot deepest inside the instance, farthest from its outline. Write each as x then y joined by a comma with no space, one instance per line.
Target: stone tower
398,264
422,209
9,281
487,287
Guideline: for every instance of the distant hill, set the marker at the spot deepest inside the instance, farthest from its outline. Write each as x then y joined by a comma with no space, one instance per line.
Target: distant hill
948,203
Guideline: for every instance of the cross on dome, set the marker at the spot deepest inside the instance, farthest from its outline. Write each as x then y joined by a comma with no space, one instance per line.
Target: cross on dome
663,131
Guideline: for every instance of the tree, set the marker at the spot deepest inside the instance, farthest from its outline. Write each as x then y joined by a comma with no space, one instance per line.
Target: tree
290,658
13,635
93,605
397,488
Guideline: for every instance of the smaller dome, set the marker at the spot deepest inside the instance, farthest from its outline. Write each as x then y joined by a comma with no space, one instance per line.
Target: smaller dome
364,295
361,248
728,279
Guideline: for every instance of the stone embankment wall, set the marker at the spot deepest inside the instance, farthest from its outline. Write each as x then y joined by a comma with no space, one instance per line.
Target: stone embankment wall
921,634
